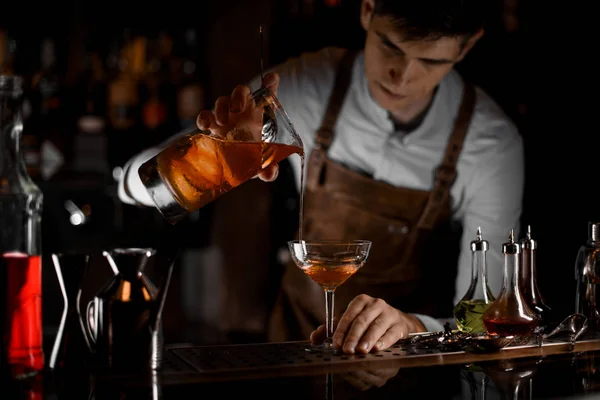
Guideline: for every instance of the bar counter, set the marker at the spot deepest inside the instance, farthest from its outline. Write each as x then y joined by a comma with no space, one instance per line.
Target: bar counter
555,370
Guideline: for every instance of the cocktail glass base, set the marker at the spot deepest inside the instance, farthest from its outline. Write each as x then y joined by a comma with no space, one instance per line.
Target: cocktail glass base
323,348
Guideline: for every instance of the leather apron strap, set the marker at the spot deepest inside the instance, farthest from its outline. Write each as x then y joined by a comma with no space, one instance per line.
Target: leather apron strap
324,135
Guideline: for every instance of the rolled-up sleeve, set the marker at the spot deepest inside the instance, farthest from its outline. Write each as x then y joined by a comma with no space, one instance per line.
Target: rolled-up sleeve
130,188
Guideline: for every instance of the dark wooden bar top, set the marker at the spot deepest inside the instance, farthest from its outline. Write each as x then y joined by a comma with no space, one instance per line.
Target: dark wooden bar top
555,370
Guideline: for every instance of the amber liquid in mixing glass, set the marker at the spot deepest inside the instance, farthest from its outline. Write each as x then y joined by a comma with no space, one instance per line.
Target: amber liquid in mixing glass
201,168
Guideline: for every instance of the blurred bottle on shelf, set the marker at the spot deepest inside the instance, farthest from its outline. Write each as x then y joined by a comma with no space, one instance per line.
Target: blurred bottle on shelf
126,65
47,123
90,142
156,109
190,95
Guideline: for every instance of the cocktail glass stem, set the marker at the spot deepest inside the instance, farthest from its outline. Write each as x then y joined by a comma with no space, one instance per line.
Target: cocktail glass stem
329,294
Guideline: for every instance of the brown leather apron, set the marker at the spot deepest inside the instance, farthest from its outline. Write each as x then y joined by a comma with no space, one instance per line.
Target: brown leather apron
412,263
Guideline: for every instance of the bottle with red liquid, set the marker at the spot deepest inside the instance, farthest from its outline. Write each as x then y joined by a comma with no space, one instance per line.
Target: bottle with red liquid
509,314
20,243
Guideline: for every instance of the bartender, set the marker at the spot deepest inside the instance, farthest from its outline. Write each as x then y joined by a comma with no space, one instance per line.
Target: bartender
402,151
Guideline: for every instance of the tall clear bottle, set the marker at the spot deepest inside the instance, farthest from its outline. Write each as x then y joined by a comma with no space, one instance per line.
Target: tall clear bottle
509,314
20,242
531,292
587,276
469,311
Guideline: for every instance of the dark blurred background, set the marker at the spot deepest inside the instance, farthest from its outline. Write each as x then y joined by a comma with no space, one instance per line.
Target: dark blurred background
98,93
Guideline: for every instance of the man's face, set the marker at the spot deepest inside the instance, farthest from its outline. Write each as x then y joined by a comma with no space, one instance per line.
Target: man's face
402,73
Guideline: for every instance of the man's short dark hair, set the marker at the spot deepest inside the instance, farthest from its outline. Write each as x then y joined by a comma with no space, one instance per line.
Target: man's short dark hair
434,19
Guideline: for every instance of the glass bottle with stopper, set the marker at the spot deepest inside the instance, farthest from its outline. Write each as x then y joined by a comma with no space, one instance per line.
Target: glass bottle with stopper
21,209
509,314
531,292
469,311
587,272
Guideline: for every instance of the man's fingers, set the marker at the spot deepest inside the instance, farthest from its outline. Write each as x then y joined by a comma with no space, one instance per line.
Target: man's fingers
318,335
271,81
354,337
391,336
269,174
355,307
222,110
205,119
239,98
370,335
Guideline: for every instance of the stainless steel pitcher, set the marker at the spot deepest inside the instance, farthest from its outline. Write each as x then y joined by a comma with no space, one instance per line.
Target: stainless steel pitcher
123,322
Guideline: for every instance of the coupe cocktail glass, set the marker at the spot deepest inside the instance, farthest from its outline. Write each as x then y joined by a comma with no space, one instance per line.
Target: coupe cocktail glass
330,264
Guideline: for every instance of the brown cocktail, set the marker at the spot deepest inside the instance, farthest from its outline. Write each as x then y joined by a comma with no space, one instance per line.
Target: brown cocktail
330,264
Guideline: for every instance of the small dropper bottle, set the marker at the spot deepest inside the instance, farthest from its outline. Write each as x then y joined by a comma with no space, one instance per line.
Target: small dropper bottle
468,312
509,314
531,293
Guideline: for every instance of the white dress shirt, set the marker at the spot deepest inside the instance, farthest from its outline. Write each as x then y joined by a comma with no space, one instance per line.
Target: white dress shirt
488,189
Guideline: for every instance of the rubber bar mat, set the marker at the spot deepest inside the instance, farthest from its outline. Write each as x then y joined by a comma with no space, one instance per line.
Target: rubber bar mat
223,358
233,357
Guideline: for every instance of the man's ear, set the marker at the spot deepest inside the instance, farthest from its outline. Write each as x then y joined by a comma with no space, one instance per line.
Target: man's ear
366,13
468,45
